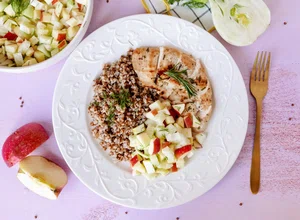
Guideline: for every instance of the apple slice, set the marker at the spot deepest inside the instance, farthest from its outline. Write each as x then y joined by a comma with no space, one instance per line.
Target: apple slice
183,151
139,167
188,120
22,142
154,147
42,176
134,160
174,113
174,168
180,122
149,167
156,105
179,108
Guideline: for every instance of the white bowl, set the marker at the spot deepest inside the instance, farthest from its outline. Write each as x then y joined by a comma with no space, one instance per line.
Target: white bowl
61,55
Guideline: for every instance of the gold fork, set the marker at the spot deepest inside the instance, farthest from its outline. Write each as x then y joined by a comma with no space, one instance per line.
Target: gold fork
258,88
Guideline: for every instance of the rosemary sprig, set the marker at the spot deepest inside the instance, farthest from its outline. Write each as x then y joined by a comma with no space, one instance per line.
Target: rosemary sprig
186,83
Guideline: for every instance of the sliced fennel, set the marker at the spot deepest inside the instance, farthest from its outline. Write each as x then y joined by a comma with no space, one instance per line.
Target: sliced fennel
240,22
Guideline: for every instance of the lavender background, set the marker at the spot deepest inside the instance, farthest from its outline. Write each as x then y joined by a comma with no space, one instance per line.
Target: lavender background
230,199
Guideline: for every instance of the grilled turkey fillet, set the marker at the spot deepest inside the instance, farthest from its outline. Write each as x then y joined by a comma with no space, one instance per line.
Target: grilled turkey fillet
150,64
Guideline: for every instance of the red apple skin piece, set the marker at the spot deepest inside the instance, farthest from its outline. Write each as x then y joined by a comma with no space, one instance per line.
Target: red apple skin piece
22,142
188,121
156,146
175,114
180,151
62,44
166,144
54,1
61,37
134,160
174,168
10,36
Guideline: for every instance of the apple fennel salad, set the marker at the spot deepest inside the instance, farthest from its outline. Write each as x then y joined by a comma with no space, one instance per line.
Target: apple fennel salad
32,31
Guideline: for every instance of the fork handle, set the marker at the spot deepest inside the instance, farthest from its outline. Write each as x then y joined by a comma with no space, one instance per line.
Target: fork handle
255,165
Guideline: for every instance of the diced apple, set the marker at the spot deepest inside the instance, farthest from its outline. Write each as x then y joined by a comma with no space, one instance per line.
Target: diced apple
163,172
65,14
154,112
149,167
178,138
190,154
18,59
22,142
23,48
150,122
170,120
160,118
179,108
156,105
171,128
161,131
165,165
62,44
174,168
59,35
48,47
155,146
200,138
180,163
33,40
154,160
174,113
139,167
3,19
187,132
12,48
150,130
10,56
46,17
188,120
133,141
42,176
72,22
10,11
45,39
169,153
161,157
58,8
166,103
165,111
42,49
54,1
197,145
134,160
39,56
139,129
183,151
37,14
30,62
143,139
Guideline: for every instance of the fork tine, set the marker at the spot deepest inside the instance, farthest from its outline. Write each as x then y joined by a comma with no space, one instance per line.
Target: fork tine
263,68
267,70
253,73
260,67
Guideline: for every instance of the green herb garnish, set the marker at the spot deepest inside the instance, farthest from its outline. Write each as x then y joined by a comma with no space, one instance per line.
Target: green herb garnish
122,98
111,115
164,129
176,74
19,5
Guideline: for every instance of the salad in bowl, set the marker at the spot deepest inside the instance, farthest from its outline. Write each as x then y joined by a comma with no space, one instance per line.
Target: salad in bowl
33,31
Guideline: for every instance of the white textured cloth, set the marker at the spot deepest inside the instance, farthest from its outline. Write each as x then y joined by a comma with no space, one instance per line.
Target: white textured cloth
199,16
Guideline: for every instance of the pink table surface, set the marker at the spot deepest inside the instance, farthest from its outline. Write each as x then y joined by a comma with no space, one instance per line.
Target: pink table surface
279,197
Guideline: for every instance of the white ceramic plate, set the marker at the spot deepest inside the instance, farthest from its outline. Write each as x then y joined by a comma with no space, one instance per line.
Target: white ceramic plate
61,55
226,130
